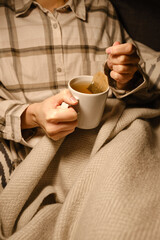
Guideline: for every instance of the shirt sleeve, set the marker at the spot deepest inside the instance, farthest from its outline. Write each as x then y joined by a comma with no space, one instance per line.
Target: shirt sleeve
10,118
147,82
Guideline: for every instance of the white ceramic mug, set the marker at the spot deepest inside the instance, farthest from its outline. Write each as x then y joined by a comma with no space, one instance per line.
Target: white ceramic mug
90,106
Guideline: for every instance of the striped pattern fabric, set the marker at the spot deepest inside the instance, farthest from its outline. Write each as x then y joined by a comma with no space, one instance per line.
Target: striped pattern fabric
5,166
9,160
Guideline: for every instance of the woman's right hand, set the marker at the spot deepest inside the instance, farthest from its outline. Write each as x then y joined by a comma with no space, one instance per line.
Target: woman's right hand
48,114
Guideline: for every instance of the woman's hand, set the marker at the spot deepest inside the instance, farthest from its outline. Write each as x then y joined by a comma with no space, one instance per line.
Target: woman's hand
48,114
123,63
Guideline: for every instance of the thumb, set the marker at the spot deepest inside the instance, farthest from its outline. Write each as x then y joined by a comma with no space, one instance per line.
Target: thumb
109,49
67,97
116,43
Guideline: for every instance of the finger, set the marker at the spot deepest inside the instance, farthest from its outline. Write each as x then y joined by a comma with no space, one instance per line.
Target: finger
122,69
61,115
65,96
122,78
108,63
53,130
60,135
116,43
118,49
123,59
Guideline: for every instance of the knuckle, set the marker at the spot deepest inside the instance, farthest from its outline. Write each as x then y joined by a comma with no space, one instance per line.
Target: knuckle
48,119
114,75
130,47
122,58
66,91
71,131
73,113
109,65
75,123
50,131
121,77
52,117
120,68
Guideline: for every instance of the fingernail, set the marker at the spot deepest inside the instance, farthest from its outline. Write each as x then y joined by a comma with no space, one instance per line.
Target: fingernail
74,100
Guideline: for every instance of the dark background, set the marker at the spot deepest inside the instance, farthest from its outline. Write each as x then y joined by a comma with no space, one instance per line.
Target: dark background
141,19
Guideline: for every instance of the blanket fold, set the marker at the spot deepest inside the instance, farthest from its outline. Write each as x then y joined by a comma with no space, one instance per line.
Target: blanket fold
24,180
96,184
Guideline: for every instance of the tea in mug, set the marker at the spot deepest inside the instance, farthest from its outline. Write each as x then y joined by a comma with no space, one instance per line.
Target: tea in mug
88,103
81,87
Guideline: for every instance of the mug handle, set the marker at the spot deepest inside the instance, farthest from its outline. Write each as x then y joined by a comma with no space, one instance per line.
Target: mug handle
65,105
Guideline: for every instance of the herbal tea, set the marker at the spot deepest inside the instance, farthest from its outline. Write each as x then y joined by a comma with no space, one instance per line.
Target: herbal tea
81,87
88,103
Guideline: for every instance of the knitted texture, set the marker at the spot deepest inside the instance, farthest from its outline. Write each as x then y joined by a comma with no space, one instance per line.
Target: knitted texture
96,184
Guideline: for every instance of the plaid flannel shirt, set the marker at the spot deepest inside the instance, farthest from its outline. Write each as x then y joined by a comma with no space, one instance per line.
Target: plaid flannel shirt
40,51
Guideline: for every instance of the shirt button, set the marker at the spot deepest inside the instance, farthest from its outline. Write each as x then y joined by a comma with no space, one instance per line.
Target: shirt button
55,25
59,69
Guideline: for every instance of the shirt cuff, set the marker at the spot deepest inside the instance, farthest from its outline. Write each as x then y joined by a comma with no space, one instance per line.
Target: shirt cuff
13,129
137,83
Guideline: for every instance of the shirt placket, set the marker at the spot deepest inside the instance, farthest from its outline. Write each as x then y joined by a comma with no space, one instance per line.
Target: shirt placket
58,49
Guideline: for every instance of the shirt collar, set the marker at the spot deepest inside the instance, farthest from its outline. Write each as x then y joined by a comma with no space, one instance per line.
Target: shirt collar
77,6
22,6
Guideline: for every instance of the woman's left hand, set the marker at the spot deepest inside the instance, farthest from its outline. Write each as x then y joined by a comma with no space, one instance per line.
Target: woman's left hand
122,62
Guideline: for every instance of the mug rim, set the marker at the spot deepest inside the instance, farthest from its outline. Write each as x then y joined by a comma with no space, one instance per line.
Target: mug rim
86,94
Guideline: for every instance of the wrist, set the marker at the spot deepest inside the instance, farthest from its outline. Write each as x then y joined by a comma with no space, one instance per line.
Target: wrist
131,84
122,86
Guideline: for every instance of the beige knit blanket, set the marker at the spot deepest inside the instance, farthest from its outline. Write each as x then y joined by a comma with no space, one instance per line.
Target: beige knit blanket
96,184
